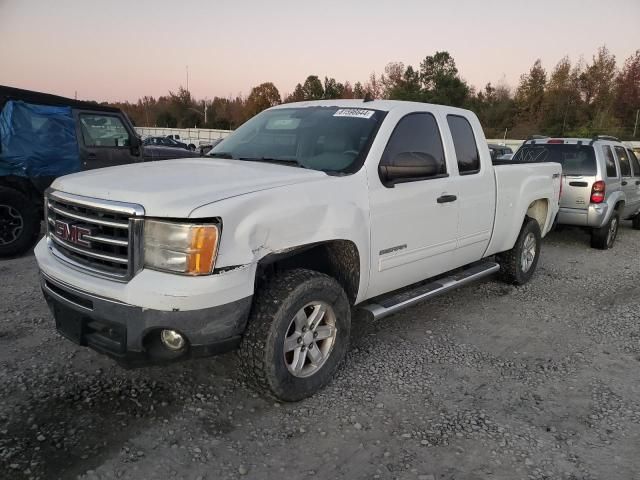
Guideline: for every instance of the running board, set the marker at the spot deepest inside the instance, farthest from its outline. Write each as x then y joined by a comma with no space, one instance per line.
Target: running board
391,303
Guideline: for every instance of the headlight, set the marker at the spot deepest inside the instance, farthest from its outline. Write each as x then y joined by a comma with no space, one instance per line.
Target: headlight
185,248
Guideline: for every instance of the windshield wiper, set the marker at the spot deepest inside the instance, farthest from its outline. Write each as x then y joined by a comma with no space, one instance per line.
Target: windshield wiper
283,161
221,155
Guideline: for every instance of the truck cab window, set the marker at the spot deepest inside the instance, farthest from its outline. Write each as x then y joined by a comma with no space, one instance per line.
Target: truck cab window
103,131
464,142
417,133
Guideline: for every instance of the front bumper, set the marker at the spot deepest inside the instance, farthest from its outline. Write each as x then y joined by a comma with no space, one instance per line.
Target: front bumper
131,335
595,216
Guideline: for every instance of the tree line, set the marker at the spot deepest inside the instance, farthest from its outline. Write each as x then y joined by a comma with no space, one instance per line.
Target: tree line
573,99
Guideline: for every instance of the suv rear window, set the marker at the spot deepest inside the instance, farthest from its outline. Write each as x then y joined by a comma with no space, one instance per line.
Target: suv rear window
575,159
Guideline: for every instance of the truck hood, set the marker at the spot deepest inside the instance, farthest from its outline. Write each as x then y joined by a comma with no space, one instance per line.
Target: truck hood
174,188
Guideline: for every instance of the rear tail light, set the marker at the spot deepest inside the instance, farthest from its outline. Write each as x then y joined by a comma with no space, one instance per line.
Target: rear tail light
597,192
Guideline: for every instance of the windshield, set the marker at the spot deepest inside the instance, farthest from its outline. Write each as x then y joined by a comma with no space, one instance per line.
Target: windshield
320,138
575,159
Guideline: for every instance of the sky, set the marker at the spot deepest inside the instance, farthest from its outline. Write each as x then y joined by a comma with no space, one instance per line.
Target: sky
119,50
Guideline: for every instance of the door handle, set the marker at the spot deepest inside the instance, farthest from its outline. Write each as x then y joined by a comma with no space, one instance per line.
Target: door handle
447,198
624,183
92,156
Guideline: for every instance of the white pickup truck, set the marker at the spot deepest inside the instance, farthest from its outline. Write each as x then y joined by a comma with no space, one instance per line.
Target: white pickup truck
304,212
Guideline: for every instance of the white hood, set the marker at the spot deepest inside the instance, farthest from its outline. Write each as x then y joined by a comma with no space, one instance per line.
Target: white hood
174,188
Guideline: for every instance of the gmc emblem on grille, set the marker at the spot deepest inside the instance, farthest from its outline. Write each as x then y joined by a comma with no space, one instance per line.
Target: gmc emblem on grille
72,233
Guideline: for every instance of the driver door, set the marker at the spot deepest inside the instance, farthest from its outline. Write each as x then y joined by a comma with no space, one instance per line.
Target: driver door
414,223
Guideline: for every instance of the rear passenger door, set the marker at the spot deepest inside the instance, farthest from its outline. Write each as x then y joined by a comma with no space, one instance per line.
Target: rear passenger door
104,140
475,185
628,183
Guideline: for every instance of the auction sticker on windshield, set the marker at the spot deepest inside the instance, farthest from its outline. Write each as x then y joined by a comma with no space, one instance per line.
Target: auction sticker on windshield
354,113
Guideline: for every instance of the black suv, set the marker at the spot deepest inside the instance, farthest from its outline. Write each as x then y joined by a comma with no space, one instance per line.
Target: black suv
45,136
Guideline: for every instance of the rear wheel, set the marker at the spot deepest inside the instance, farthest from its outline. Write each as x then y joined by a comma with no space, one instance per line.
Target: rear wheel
518,264
604,237
19,222
297,335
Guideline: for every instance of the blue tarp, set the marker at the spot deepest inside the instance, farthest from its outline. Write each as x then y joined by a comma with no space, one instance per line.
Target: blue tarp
37,140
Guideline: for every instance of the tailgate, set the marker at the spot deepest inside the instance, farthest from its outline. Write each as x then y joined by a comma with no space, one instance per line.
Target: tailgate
576,191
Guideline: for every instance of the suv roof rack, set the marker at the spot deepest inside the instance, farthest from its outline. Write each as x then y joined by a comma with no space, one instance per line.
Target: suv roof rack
533,138
605,137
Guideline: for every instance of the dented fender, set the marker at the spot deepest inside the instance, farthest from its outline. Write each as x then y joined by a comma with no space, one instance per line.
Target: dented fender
280,219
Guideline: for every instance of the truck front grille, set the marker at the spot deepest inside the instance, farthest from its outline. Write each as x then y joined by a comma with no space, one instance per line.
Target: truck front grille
99,236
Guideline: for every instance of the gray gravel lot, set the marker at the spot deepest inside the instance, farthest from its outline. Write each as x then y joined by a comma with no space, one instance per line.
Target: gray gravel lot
491,381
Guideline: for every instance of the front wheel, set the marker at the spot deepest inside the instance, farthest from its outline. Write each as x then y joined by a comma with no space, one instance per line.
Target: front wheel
518,264
297,335
604,237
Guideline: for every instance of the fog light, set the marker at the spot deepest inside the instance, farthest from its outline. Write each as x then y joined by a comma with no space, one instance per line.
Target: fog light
172,339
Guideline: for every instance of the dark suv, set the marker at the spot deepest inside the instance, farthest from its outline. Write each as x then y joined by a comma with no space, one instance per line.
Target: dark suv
45,136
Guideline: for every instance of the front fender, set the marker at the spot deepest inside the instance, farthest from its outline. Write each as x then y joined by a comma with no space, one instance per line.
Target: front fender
273,221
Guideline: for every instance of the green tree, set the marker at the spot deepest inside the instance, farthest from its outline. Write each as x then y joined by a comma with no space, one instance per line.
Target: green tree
263,96
530,97
598,88
332,88
562,102
627,95
312,88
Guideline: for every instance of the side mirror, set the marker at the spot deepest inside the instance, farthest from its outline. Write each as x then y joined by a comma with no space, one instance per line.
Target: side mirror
135,143
407,166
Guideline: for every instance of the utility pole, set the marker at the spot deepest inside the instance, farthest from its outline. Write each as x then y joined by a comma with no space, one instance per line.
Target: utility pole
75,96
635,127
187,78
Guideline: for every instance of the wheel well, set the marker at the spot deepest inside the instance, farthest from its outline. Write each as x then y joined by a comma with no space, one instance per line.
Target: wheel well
22,185
619,206
538,211
337,258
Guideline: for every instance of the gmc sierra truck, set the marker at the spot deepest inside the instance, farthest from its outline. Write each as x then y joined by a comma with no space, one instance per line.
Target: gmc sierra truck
306,211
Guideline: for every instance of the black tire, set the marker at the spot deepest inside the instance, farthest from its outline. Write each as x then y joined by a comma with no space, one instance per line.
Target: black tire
262,351
19,222
635,222
604,237
192,148
512,270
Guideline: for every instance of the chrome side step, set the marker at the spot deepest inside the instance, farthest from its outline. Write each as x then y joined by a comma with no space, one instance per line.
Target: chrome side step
391,303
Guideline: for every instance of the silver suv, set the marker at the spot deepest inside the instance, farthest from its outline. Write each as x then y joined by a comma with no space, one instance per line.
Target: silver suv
600,186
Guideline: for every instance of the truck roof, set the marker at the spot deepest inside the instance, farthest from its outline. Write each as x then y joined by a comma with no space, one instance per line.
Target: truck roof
383,105
40,98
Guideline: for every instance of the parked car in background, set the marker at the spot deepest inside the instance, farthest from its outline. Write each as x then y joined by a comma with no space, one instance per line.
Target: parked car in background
164,142
45,136
498,151
209,145
601,182
189,143
303,212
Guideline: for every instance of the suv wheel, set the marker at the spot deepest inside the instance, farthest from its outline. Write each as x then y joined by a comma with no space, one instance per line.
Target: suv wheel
297,336
604,237
19,223
518,264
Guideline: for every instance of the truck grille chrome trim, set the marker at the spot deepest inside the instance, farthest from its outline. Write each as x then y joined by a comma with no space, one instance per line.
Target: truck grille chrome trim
100,237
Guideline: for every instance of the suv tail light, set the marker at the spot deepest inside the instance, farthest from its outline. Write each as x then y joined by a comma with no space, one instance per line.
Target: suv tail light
597,192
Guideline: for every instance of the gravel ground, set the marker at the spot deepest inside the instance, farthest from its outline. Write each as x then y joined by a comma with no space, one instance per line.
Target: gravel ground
491,381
